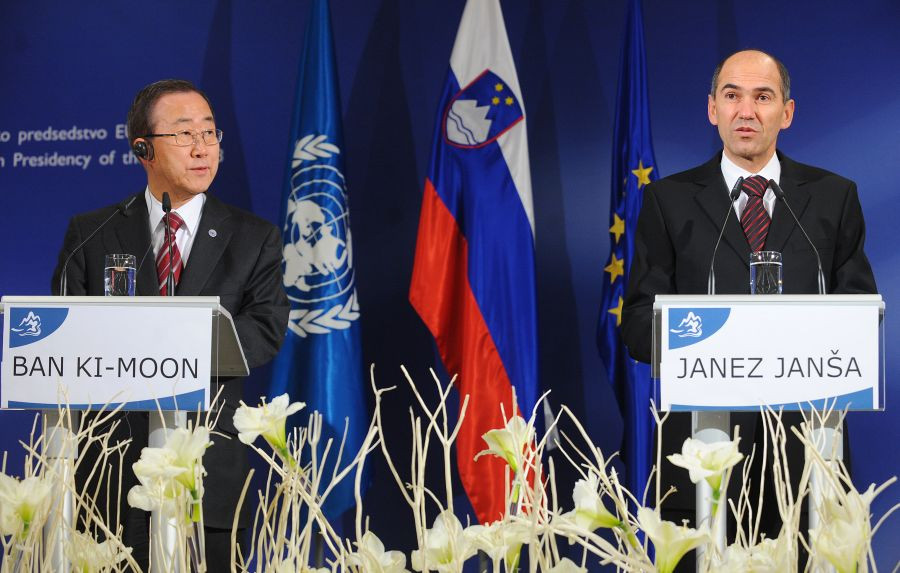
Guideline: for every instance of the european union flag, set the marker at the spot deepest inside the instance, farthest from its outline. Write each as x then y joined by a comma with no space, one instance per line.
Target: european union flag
633,167
321,360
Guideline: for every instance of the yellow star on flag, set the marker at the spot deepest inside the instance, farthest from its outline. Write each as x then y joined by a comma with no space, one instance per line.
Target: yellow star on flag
615,268
495,100
618,312
508,101
642,174
499,87
618,227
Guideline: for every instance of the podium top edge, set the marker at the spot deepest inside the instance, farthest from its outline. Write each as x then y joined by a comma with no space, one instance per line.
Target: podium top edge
862,299
210,301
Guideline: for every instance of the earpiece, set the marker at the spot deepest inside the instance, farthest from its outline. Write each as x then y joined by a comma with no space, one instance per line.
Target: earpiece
143,149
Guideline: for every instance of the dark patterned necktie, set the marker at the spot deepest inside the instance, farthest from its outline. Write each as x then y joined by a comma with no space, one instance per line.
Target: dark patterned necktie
755,220
163,266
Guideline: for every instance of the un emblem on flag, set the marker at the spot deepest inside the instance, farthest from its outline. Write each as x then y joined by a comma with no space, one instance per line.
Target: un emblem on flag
481,112
318,253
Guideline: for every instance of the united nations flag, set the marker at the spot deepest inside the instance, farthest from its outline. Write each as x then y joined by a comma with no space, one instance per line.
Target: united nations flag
321,360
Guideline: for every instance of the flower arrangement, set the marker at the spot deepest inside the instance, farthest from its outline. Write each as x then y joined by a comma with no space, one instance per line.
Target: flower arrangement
600,519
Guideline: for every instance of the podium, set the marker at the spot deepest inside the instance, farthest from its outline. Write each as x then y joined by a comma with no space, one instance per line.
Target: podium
714,354
141,353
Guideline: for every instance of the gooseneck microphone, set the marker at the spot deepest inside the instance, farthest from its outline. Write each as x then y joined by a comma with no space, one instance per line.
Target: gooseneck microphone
170,279
732,196
780,194
120,208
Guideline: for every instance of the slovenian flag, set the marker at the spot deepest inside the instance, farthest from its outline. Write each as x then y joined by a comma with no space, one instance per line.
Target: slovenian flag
321,360
473,282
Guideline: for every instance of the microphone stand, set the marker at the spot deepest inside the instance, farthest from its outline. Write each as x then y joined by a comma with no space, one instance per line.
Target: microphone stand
166,554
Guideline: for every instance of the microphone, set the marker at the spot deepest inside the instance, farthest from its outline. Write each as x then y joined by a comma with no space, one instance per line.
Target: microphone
732,196
120,208
780,194
170,279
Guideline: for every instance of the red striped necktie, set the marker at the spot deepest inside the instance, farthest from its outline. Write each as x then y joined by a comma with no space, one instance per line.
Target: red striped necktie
755,220
163,266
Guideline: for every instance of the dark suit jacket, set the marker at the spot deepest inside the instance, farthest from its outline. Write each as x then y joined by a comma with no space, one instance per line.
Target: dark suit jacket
241,264
677,230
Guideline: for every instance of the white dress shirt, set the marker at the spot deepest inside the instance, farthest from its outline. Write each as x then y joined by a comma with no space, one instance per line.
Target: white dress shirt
731,172
190,213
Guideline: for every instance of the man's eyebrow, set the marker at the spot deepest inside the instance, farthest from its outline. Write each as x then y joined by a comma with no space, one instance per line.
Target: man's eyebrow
190,119
739,88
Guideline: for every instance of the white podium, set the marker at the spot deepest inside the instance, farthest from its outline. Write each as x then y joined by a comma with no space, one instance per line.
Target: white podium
714,354
143,353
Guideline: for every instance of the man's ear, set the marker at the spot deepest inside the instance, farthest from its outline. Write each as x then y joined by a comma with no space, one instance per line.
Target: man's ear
788,114
711,110
143,149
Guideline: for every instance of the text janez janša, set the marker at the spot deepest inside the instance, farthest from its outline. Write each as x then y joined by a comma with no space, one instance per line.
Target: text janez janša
729,367
97,367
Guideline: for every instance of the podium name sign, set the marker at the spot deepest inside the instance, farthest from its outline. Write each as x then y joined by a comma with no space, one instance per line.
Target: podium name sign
106,353
740,353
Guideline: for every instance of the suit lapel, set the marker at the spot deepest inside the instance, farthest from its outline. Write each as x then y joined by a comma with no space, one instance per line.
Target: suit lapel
713,199
133,233
782,223
213,235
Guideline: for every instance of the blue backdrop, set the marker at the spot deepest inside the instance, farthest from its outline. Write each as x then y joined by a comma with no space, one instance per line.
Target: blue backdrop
77,65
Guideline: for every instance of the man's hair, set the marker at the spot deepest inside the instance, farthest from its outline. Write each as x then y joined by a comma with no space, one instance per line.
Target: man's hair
138,123
782,71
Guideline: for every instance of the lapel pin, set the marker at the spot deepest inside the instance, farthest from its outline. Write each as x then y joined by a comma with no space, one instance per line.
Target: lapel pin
212,232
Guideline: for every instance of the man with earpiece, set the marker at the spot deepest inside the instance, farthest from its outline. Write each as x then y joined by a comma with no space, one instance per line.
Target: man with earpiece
217,250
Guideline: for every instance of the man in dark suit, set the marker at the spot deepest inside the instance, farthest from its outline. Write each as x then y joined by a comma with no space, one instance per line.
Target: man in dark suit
680,219
223,251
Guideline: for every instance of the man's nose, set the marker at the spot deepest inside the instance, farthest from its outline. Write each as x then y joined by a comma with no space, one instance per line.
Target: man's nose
198,149
747,108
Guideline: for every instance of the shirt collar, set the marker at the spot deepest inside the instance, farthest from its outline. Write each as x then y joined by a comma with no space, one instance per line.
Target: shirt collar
190,212
731,172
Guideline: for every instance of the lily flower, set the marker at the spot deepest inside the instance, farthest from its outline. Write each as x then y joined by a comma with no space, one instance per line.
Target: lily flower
590,512
768,556
22,502
500,540
189,447
372,558
707,462
86,555
508,442
267,420
670,541
842,538
446,546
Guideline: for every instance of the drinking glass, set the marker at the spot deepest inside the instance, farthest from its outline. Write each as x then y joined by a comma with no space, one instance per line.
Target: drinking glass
118,275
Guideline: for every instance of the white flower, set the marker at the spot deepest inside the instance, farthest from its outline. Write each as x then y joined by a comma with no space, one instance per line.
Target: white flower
157,494
670,541
88,556
157,463
188,447
768,556
842,538
707,461
446,546
22,502
372,558
590,512
566,566
157,470
500,540
509,442
267,421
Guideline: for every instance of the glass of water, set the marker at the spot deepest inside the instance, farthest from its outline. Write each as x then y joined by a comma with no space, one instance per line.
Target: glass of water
765,272
118,275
